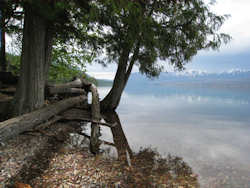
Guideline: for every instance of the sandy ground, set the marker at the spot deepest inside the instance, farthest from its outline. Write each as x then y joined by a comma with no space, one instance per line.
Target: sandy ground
51,158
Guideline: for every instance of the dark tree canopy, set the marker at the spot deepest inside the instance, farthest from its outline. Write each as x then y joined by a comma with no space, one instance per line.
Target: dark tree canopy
143,32
173,31
127,32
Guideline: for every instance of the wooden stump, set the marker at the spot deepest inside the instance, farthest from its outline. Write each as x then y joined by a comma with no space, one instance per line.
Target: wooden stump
96,117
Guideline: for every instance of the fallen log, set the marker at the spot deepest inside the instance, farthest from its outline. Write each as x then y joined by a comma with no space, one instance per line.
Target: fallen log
77,83
59,90
77,86
17,125
48,123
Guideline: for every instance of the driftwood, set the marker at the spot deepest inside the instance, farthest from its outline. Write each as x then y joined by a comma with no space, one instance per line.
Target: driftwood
17,125
58,90
77,86
96,117
77,83
49,122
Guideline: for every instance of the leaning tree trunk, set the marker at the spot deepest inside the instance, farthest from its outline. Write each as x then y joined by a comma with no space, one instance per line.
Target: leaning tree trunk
35,59
125,66
111,101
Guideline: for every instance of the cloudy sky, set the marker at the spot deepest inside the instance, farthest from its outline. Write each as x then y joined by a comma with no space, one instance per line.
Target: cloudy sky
235,55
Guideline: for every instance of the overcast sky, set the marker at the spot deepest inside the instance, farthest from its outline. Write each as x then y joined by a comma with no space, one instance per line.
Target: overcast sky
235,55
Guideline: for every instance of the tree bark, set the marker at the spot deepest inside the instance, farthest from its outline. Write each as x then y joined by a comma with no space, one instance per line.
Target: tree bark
48,50
36,52
55,90
96,117
3,49
17,125
78,83
111,101
74,87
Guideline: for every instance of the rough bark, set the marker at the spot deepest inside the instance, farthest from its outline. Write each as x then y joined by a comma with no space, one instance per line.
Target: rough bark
17,125
3,49
96,117
35,52
74,87
77,83
111,101
48,50
55,90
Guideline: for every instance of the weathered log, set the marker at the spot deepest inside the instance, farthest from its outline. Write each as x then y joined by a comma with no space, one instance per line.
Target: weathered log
96,117
17,125
49,122
77,86
77,83
60,90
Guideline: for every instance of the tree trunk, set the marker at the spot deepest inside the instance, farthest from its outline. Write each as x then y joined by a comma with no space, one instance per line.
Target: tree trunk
48,51
2,43
111,101
36,52
17,125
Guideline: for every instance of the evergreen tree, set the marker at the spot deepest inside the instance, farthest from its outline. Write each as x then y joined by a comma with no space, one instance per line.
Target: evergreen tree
143,32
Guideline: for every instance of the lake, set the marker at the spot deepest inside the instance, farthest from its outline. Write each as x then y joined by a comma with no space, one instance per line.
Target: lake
209,127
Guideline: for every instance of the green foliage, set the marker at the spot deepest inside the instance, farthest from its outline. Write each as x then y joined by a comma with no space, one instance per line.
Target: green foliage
68,61
13,63
144,31
172,31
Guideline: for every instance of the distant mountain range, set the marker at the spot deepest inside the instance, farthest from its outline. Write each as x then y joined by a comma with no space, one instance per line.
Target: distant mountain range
233,84
196,76
104,82
187,77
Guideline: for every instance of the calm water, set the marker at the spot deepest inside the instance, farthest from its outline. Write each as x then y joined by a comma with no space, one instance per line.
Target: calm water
208,127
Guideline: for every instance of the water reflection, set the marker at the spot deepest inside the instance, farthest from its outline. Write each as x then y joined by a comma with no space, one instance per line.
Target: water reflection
119,138
146,167
211,133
